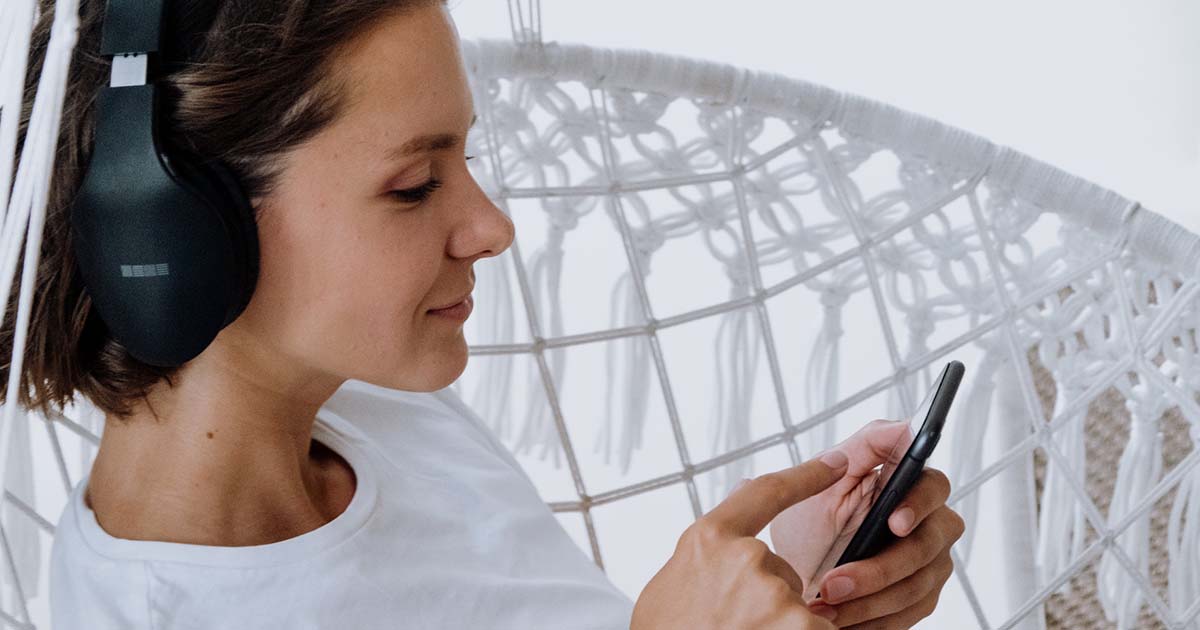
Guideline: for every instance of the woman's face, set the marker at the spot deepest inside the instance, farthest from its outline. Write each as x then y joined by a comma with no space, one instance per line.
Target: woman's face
350,267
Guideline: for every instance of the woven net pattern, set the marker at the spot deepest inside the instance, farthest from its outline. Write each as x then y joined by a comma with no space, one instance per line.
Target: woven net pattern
718,272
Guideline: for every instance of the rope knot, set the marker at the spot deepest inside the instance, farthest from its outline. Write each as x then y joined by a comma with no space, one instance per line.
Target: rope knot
920,324
739,273
834,298
647,240
709,214
563,220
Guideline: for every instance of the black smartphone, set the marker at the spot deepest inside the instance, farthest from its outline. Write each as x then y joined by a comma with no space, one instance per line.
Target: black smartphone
904,465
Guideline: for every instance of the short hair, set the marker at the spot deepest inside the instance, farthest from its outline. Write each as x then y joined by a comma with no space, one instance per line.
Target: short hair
244,82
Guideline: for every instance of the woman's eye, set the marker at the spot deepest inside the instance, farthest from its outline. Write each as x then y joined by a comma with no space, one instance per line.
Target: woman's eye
418,194
470,157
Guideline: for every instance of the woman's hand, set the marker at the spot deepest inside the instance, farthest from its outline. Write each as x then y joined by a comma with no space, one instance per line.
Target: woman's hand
722,577
900,585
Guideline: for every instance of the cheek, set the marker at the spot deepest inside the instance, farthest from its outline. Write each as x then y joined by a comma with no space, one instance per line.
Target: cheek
333,283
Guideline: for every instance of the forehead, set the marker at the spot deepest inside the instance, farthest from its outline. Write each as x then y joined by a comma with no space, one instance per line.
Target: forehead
404,76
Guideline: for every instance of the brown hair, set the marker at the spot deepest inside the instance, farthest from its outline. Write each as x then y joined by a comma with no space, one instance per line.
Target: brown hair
250,80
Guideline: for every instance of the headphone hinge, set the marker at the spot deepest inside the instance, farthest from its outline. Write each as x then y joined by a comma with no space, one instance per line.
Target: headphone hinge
128,69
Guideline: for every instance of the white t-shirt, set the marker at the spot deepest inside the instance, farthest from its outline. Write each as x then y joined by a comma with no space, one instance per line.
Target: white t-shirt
445,530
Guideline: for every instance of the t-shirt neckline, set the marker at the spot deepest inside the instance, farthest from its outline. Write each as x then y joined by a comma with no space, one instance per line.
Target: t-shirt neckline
331,430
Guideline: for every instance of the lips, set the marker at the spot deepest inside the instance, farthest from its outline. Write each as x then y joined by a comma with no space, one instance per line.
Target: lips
454,303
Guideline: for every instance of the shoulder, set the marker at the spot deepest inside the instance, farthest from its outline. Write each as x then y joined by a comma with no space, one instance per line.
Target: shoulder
384,414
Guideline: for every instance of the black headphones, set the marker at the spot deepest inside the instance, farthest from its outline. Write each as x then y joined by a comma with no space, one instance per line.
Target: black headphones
165,242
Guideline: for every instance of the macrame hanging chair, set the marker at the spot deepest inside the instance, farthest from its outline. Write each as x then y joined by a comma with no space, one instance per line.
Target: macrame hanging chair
718,272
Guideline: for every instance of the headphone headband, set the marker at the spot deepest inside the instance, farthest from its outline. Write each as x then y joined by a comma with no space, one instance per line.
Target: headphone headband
132,27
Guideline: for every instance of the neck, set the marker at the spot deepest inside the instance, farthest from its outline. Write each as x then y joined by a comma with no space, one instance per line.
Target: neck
219,459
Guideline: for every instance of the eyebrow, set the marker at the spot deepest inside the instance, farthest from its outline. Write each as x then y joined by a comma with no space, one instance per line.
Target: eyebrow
428,143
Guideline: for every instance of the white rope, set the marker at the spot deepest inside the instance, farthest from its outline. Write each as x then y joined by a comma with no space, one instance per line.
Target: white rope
627,363
16,25
545,276
27,206
525,20
904,240
824,364
1139,468
492,398
968,440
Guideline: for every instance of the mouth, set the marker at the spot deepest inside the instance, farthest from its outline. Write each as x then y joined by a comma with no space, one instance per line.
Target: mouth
462,298
457,311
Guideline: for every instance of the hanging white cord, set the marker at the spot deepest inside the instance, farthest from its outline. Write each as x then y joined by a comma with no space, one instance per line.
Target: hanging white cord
28,205
967,457
491,398
627,362
17,19
525,20
1140,467
16,26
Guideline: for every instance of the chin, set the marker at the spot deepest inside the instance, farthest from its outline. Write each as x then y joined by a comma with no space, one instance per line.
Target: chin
434,373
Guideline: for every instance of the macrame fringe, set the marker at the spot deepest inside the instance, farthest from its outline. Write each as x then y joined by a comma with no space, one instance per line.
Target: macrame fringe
1062,526
737,348
824,364
1139,469
1183,537
966,458
491,396
1183,523
545,276
628,377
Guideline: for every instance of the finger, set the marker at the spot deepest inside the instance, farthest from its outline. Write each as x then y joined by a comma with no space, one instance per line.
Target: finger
780,567
747,510
897,561
800,619
904,619
928,494
898,596
871,445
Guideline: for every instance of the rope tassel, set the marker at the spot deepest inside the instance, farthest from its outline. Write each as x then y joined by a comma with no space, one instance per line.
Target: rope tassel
736,347
967,455
1061,522
1183,538
822,373
491,397
539,428
1139,469
628,378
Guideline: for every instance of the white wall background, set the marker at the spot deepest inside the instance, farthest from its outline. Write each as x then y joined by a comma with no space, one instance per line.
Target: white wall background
1108,90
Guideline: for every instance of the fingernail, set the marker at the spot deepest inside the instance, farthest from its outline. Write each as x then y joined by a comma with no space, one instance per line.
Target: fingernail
835,459
904,519
838,588
822,610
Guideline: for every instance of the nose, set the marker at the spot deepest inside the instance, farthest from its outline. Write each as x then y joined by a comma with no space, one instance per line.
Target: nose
487,231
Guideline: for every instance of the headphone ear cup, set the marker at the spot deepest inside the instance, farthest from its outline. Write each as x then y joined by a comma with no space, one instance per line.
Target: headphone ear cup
223,192
158,242
238,214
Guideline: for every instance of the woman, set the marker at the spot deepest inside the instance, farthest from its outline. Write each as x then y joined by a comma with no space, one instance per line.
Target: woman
295,474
